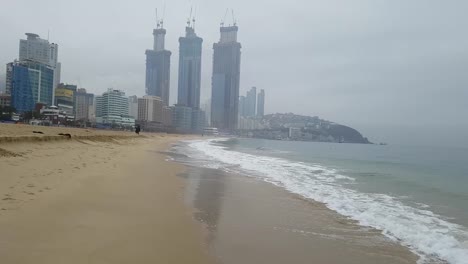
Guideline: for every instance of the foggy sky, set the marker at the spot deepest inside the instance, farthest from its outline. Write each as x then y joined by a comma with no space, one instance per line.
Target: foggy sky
396,70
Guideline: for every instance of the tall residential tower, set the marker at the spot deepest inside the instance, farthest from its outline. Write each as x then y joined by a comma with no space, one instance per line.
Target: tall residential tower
225,80
158,61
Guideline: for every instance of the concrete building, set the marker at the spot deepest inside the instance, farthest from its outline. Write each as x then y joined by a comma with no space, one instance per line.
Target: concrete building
190,49
112,108
167,116
65,99
150,109
29,83
182,118
133,106
83,103
33,48
225,80
198,121
158,61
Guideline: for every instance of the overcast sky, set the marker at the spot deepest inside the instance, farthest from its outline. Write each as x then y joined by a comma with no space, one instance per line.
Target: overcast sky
396,70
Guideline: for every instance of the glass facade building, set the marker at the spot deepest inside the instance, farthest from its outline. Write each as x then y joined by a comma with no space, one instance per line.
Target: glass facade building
31,83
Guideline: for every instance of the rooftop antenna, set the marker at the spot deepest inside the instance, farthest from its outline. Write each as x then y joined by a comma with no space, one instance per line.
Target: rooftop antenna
224,19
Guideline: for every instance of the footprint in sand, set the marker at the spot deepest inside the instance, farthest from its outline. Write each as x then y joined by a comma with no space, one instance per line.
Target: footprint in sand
30,185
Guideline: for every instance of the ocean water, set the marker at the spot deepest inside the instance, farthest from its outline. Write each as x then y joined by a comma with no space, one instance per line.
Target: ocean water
417,196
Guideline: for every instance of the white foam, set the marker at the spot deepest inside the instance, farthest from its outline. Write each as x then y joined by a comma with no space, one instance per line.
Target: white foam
424,232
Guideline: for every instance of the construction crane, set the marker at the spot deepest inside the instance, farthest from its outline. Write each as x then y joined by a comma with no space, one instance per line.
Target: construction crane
190,17
234,21
224,19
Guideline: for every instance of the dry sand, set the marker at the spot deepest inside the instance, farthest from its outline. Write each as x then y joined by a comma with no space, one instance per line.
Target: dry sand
108,198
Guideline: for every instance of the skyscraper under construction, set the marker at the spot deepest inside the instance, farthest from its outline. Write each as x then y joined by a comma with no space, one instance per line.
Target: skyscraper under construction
225,80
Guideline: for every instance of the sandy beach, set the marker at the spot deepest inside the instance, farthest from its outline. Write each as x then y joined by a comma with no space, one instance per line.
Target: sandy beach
99,197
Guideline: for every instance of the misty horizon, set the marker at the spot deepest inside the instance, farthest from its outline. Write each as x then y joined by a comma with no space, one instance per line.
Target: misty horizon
394,71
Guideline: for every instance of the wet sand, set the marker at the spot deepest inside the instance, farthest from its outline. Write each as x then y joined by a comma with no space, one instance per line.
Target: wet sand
250,221
95,201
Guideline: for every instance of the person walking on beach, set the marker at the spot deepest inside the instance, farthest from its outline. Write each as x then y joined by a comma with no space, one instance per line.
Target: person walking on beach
137,129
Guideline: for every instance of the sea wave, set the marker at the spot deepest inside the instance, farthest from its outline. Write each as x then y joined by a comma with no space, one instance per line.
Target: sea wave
424,232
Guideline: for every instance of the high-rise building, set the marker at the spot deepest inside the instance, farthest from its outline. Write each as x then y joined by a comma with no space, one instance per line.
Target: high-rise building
5,99
190,48
9,78
112,108
225,80
158,61
242,109
206,107
167,116
133,106
182,118
261,103
150,109
84,102
251,102
29,83
33,48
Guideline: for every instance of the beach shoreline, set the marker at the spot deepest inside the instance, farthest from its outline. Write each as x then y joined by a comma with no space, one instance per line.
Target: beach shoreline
106,198
251,221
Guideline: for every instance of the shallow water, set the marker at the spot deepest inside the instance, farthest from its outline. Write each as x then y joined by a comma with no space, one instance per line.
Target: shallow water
416,196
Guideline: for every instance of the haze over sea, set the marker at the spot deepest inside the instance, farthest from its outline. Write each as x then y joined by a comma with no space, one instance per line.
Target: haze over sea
417,196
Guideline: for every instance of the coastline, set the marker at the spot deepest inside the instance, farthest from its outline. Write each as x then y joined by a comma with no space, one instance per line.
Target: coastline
252,221
107,198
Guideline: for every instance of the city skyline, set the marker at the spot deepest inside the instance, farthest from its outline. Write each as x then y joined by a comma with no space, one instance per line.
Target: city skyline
358,62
